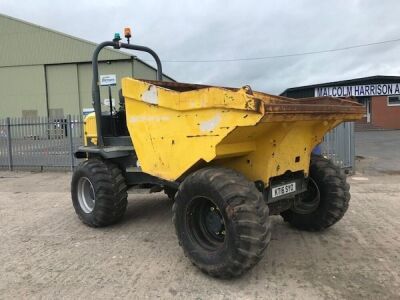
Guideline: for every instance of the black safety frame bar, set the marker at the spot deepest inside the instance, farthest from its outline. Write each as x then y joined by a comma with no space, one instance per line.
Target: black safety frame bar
95,83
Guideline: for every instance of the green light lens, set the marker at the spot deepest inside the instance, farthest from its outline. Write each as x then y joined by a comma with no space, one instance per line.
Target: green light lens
117,36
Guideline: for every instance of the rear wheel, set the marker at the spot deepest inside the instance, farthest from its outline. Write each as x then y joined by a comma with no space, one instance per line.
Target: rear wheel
221,221
326,200
99,194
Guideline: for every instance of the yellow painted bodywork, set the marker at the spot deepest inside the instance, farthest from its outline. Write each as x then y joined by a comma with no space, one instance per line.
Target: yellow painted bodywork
176,132
90,131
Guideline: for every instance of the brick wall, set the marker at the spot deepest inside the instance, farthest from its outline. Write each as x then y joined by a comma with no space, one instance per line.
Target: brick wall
383,115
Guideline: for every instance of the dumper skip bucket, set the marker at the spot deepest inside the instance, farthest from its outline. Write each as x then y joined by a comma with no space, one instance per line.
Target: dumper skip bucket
177,128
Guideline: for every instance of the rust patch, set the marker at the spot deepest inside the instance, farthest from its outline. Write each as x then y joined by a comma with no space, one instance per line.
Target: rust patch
201,135
318,105
253,104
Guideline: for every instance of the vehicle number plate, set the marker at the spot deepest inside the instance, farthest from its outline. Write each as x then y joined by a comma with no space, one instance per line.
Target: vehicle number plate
283,189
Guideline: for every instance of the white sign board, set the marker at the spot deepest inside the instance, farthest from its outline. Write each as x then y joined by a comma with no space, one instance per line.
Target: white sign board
381,89
107,102
110,79
87,111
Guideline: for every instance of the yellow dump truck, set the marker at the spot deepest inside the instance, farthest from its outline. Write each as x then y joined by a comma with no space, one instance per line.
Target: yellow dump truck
228,158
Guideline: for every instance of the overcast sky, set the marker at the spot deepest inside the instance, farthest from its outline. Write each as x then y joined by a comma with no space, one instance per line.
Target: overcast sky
202,30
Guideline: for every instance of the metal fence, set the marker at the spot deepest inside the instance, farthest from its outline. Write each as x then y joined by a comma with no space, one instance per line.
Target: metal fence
42,142
339,145
50,143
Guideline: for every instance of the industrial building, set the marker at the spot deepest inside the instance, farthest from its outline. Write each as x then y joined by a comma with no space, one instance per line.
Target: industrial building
47,73
380,96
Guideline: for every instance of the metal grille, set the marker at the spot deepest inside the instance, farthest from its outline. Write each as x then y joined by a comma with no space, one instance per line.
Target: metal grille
40,142
339,145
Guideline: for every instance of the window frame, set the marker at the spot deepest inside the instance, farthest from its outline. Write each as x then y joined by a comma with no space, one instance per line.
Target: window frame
395,104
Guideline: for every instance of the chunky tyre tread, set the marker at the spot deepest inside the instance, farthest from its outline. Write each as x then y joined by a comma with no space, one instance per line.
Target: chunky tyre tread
335,197
248,213
110,191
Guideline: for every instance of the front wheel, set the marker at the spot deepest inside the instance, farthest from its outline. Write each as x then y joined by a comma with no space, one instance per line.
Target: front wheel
221,221
326,200
99,193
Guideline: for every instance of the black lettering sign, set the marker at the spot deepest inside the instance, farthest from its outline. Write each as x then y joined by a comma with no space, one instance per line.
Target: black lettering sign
390,89
372,89
397,89
359,90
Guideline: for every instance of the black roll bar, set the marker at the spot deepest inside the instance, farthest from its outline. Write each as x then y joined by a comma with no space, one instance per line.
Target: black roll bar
95,83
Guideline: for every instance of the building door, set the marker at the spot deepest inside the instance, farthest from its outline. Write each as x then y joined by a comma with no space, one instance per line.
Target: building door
62,90
368,109
366,101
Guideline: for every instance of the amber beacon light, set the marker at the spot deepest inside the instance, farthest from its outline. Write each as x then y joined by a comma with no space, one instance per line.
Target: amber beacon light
127,33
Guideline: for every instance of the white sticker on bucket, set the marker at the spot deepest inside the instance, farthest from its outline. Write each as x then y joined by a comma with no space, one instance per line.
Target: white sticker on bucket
211,124
150,96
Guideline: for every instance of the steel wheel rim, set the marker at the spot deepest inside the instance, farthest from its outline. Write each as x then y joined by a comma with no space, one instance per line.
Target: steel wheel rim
86,195
206,223
309,201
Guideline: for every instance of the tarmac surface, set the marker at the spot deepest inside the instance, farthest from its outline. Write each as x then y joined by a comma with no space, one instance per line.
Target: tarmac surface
378,152
46,252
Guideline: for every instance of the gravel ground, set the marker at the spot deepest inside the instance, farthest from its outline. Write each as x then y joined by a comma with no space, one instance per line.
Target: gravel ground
46,252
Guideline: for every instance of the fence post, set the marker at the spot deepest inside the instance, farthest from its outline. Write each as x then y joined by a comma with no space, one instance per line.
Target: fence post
9,146
352,143
71,141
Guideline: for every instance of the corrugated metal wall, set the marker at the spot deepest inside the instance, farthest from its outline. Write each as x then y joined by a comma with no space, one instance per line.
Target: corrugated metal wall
62,88
142,71
22,88
47,73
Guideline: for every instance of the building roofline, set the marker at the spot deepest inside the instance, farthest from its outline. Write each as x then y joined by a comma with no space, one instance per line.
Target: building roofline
340,82
61,33
150,66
